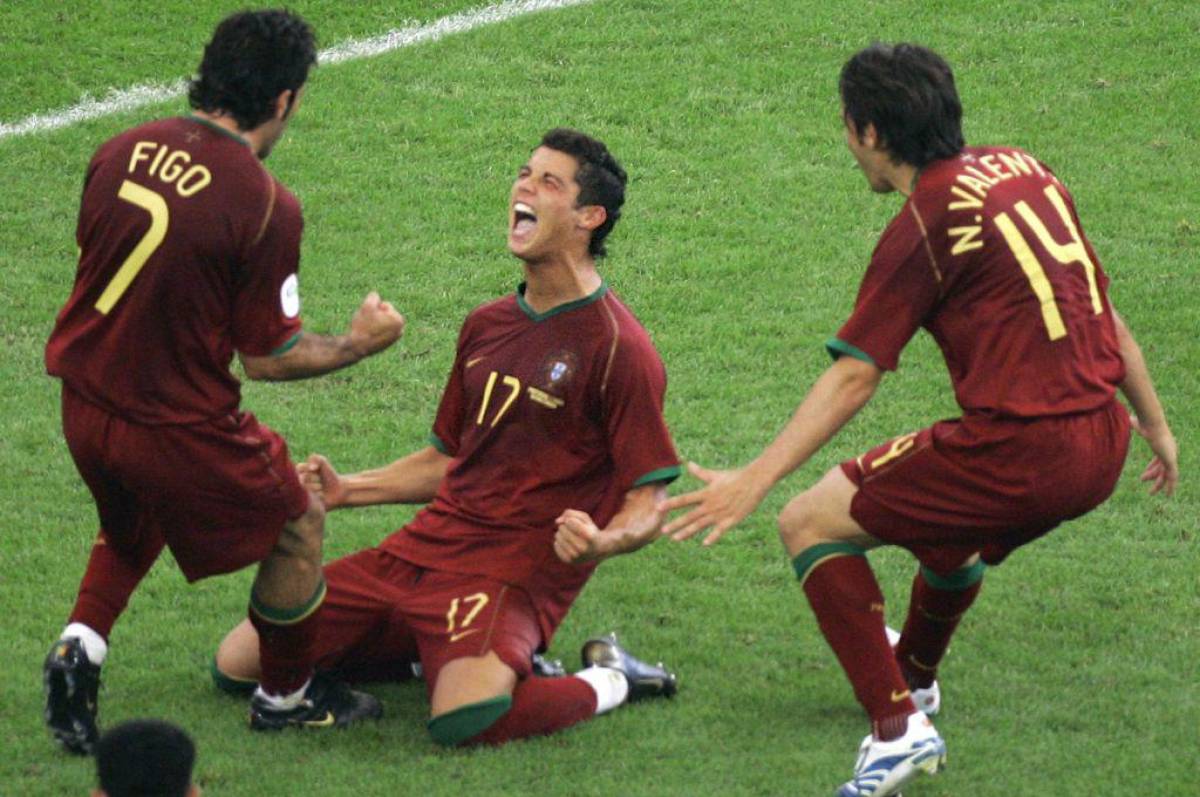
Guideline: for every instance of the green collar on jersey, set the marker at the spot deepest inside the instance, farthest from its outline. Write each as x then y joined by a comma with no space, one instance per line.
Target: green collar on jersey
562,308
218,128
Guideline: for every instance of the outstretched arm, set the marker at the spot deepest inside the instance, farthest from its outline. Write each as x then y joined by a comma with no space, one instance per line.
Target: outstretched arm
1150,420
635,525
835,398
375,326
413,479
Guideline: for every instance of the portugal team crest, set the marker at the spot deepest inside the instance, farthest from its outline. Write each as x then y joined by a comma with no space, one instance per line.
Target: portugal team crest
557,371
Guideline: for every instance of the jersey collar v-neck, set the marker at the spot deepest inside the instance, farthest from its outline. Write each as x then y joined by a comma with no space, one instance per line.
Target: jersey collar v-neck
562,308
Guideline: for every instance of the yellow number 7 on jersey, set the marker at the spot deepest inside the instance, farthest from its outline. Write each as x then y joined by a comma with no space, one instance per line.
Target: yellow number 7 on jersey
1073,252
156,206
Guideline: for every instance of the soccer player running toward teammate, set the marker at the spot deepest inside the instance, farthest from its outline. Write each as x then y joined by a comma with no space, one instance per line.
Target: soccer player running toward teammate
189,250
989,256
549,453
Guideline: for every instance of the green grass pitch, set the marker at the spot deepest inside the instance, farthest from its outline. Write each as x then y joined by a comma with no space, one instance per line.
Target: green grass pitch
746,232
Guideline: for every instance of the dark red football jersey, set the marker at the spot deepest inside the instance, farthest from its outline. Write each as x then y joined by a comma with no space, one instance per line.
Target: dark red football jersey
988,255
189,251
542,413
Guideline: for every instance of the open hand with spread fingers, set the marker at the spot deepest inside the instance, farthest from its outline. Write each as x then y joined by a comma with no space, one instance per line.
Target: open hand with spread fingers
726,499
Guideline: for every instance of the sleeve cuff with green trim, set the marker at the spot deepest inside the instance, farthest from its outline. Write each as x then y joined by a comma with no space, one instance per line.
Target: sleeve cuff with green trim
664,475
437,443
840,348
288,344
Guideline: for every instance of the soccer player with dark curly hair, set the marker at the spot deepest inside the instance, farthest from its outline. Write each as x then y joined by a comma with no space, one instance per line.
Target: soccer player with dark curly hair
189,253
549,453
989,256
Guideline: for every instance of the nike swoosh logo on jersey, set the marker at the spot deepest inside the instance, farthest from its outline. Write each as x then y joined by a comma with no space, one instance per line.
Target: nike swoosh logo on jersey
898,696
475,361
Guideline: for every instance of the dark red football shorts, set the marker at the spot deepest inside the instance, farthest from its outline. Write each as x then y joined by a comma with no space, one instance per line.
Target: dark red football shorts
219,493
382,613
985,486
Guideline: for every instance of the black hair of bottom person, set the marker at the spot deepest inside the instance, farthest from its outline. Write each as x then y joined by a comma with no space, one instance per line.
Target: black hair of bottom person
145,758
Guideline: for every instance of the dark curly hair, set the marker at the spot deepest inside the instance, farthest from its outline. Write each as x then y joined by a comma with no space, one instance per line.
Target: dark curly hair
907,92
145,757
601,179
252,58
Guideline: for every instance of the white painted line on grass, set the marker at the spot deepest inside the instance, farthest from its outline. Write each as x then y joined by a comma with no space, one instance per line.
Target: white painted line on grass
115,101
119,100
446,26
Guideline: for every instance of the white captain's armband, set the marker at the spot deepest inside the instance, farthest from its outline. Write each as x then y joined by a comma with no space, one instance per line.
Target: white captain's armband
289,296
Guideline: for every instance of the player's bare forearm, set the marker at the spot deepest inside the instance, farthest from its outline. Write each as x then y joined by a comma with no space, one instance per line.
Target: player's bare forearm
375,326
636,524
835,398
1137,386
730,496
413,479
1162,473
312,355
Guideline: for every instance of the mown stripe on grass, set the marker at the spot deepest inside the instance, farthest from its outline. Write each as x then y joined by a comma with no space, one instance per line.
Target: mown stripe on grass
119,100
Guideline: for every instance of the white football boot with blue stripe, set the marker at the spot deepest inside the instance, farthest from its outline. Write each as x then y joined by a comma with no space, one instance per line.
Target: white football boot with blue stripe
884,767
929,699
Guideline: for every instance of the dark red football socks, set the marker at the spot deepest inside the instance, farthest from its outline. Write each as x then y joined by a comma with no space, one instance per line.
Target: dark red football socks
286,638
848,605
936,606
541,706
109,580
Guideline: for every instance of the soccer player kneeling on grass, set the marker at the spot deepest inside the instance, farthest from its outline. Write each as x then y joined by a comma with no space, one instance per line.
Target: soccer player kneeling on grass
189,252
989,256
549,453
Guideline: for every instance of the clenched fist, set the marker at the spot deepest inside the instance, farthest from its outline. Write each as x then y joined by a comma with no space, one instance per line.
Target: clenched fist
375,326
